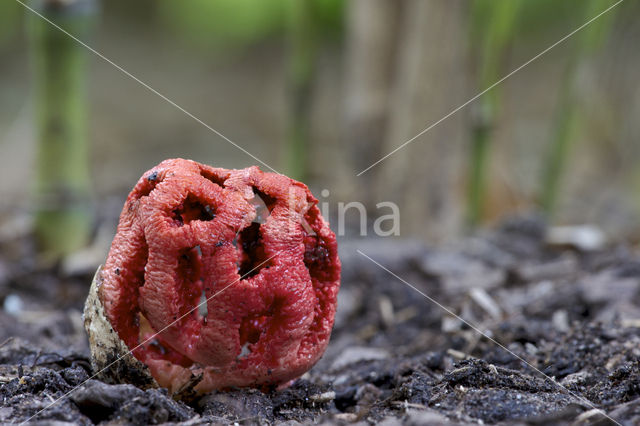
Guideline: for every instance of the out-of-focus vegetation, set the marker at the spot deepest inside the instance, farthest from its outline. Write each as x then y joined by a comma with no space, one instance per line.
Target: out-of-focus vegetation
323,88
223,24
10,18
233,24
493,26
568,116
303,47
62,184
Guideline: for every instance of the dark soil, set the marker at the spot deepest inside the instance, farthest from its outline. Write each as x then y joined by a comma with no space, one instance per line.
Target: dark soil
564,327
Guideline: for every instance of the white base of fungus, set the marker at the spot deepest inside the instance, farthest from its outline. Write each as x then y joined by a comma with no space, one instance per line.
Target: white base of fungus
113,362
111,358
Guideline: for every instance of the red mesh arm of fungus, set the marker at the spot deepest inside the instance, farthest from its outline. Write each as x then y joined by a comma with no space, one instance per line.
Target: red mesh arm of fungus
253,244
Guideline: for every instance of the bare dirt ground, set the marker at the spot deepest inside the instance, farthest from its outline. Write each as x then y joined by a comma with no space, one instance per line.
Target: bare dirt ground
395,356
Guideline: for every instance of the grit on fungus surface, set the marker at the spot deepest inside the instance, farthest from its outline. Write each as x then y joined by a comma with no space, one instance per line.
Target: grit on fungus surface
235,271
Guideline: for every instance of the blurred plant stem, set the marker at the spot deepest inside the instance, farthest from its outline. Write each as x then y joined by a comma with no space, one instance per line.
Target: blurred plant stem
62,188
302,60
422,179
372,33
568,115
492,27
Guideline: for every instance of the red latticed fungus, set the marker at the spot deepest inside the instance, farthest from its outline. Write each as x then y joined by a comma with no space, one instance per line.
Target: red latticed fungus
215,278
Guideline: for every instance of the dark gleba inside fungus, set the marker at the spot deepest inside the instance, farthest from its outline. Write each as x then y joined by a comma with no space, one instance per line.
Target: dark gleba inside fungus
234,273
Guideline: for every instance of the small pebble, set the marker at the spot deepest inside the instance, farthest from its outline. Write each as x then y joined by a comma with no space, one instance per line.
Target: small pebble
13,305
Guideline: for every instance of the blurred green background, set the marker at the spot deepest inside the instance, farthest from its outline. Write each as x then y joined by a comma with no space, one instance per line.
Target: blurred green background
321,89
